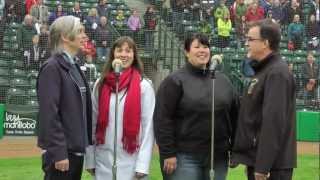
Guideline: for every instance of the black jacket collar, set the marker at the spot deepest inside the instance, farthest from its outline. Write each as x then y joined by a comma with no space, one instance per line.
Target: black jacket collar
195,70
259,65
66,65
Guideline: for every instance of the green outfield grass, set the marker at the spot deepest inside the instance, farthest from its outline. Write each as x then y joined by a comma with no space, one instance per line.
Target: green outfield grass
29,169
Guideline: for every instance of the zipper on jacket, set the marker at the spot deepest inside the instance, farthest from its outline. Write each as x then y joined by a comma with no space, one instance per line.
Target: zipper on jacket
83,117
254,141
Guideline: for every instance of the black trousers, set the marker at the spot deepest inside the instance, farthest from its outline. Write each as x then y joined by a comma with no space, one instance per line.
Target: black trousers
51,173
278,174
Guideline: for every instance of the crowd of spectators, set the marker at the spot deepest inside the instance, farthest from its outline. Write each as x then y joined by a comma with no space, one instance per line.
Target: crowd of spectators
34,18
227,20
298,18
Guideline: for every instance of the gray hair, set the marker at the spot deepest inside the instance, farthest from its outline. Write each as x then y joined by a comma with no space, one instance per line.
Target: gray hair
66,26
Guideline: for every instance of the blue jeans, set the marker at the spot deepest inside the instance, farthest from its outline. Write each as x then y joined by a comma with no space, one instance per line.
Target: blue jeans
192,166
102,51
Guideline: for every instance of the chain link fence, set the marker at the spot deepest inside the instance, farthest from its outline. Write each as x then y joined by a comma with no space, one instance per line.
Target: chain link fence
159,29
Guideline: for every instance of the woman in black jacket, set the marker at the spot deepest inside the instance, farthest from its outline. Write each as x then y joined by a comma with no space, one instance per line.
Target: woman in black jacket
182,117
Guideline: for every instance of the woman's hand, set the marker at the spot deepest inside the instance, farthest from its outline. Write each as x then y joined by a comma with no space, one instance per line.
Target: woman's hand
139,175
91,171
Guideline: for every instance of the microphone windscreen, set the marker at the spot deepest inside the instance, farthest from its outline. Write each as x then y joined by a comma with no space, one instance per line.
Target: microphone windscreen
214,61
116,62
217,58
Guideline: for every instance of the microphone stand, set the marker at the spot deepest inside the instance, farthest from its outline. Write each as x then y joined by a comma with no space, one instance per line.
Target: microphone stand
114,165
213,77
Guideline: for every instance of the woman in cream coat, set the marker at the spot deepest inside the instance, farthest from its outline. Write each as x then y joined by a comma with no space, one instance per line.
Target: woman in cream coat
135,136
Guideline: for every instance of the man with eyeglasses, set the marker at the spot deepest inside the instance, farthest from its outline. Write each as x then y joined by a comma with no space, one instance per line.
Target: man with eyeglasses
265,138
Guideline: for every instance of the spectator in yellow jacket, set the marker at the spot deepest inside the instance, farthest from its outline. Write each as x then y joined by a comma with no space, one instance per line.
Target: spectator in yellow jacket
224,29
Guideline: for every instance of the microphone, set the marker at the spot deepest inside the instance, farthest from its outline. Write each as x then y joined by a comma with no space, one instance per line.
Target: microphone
215,60
117,66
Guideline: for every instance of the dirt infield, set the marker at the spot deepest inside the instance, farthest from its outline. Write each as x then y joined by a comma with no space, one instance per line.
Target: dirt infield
26,147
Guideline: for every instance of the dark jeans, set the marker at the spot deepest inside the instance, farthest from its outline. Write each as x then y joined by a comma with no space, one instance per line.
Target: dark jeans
196,167
297,41
103,52
51,173
149,41
279,174
223,41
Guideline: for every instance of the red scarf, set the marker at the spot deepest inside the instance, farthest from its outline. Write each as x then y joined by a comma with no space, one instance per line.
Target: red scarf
130,79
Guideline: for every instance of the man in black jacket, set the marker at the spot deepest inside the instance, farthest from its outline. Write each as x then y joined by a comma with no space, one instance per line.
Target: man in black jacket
64,104
265,140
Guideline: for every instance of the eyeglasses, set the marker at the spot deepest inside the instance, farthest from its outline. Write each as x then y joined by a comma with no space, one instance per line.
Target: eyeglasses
252,39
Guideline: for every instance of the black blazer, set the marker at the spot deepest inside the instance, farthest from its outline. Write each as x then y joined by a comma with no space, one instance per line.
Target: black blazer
61,114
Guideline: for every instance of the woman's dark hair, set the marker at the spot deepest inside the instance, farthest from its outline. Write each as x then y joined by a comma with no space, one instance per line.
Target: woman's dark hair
137,63
202,38
149,7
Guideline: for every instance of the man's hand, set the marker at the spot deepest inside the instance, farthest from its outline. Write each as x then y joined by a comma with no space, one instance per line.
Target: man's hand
260,176
62,165
169,165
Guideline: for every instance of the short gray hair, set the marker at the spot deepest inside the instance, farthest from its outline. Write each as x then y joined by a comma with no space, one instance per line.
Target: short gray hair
67,26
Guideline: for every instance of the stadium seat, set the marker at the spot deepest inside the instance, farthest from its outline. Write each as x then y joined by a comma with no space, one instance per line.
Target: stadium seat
10,46
51,4
32,103
4,86
228,51
241,51
111,6
19,64
16,96
127,13
116,1
113,13
186,23
33,82
286,53
4,72
68,4
300,53
4,63
85,5
190,28
123,7
316,54
32,93
18,73
19,82
298,60
14,25
33,74
283,45
16,91
215,50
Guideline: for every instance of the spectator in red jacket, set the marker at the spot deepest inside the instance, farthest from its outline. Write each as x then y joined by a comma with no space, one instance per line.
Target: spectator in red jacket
88,50
254,12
